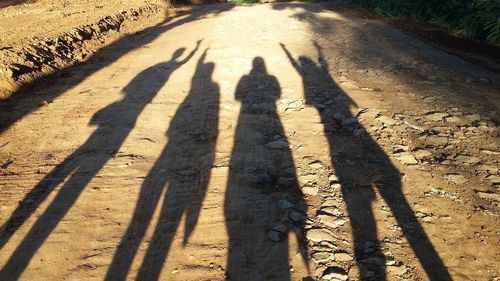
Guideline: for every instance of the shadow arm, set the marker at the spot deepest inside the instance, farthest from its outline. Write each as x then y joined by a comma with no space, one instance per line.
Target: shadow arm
192,53
292,60
321,56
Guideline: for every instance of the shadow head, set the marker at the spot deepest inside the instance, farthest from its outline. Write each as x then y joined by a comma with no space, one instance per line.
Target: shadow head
258,66
178,53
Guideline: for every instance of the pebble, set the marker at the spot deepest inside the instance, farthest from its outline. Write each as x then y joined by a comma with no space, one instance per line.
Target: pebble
464,159
473,117
318,235
307,179
310,190
386,120
331,221
406,158
342,257
421,154
322,257
453,119
438,116
316,165
455,178
333,178
436,140
331,209
494,179
488,169
488,195
334,273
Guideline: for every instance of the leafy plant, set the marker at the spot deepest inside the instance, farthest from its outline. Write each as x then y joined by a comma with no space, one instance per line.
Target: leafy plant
477,19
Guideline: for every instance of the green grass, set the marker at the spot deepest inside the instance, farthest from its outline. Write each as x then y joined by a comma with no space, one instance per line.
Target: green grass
476,19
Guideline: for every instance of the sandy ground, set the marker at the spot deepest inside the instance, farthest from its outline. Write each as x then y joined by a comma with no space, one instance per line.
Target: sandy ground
258,142
22,20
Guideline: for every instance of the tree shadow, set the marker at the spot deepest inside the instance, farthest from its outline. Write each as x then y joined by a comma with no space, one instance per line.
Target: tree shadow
115,123
263,201
181,174
363,169
25,101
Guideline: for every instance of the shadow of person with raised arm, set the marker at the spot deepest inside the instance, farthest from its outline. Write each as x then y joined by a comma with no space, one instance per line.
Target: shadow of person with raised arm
181,173
263,201
25,101
115,123
363,168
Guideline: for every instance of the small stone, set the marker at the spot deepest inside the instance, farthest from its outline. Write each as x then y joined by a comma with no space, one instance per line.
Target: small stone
319,235
336,186
488,195
331,221
322,257
438,116
436,140
307,179
453,119
334,273
43,103
421,154
492,170
473,117
396,270
333,178
406,158
386,120
494,179
399,148
455,178
342,257
464,159
334,211
489,152
316,165
310,190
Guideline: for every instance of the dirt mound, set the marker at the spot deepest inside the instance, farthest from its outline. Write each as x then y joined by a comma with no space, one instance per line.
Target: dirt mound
24,59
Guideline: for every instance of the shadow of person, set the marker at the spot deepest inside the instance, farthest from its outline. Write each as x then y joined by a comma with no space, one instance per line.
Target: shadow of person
363,168
181,173
263,202
115,123
24,101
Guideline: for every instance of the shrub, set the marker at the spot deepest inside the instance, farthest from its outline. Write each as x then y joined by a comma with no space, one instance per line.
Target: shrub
477,19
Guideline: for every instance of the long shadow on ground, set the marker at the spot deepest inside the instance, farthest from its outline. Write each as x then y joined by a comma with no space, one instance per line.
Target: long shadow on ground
355,154
181,174
25,101
263,200
115,123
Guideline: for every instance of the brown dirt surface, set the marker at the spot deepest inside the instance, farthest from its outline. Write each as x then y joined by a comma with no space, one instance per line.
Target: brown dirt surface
283,141
40,37
49,18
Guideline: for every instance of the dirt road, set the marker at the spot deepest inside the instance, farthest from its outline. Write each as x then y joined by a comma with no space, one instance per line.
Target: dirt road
280,141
